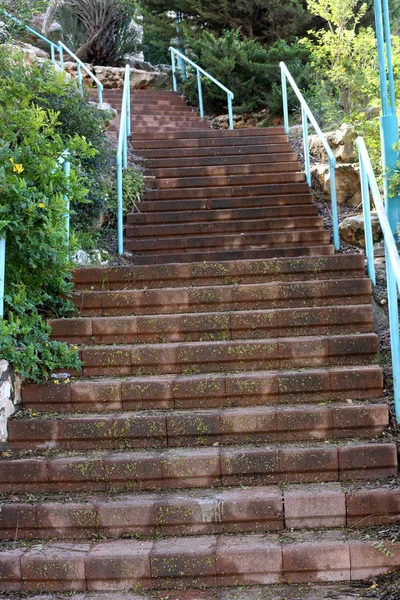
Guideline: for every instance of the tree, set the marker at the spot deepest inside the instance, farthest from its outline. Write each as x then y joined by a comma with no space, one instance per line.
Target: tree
263,20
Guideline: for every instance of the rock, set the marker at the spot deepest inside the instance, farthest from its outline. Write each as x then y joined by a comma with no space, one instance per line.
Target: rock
352,230
113,77
341,142
243,121
142,65
10,396
86,259
348,187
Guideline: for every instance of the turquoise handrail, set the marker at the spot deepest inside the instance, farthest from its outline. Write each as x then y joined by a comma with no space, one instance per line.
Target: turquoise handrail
53,46
307,116
80,65
122,155
230,95
369,184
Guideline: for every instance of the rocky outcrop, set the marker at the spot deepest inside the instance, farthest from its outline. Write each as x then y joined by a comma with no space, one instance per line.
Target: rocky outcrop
347,175
340,141
352,230
241,121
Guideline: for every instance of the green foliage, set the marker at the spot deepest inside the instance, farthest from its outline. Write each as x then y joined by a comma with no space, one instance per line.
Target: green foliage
248,69
98,31
33,137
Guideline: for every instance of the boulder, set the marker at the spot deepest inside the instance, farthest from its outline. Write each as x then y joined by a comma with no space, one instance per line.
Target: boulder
352,230
244,121
10,396
341,142
113,77
348,187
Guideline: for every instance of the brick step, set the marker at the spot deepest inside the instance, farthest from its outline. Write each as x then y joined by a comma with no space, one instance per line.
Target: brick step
153,120
199,562
231,191
339,266
176,468
206,204
178,153
227,426
216,170
169,230
234,144
207,512
187,392
220,134
211,181
219,161
220,217
230,241
162,108
207,151
236,355
212,298
214,326
169,128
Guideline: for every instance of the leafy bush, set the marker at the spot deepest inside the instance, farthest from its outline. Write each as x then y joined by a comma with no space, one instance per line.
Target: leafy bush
245,67
33,137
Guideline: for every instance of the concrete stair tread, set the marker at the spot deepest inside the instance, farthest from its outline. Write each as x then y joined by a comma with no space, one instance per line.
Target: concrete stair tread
199,512
338,266
324,384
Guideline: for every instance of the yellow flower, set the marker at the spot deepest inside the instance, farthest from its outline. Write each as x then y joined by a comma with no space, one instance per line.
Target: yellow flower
74,348
41,205
17,168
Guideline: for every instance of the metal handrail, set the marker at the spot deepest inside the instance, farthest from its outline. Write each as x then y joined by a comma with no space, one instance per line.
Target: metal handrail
230,95
80,66
307,116
369,184
122,155
53,46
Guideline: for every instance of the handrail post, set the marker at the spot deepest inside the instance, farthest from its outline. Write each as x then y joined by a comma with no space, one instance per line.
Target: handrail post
100,92
285,101
173,64
335,217
394,331
2,274
67,171
80,78
304,119
128,101
369,242
61,52
230,112
201,106
120,223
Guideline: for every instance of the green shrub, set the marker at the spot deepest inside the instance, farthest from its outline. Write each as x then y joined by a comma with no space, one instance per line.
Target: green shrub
247,68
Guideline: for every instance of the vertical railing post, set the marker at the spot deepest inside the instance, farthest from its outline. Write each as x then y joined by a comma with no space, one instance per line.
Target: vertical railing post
369,241
100,92
61,52
2,273
230,111
394,331
200,91
67,171
335,217
120,223
304,119
128,101
173,64
80,78
285,101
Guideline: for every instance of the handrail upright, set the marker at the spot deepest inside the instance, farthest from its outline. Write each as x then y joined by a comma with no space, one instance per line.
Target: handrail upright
80,65
122,156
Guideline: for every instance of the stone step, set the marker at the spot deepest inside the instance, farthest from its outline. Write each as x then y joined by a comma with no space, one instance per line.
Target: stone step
333,384
296,186
207,151
176,468
339,266
235,144
214,325
221,227
228,426
241,202
285,239
227,134
234,355
169,129
215,298
207,512
216,170
199,562
161,108
209,181
218,161
220,217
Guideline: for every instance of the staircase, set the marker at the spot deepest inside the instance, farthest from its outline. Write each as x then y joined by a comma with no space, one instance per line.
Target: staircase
227,427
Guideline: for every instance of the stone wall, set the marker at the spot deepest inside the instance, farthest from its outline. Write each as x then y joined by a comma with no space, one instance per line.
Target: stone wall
10,396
